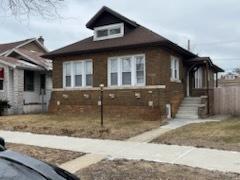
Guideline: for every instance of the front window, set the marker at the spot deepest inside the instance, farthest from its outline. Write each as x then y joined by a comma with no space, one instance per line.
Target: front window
140,69
174,69
28,80
109,31
126,71
68,76
113,72
88,73
77,73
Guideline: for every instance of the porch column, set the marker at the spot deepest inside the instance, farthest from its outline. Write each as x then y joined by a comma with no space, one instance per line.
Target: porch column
18,86
216,79
207,81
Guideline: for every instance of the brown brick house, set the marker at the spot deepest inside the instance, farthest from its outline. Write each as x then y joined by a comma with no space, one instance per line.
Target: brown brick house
145,75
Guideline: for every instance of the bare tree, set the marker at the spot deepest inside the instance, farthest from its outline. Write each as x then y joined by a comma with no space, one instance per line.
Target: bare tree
27,8
236,70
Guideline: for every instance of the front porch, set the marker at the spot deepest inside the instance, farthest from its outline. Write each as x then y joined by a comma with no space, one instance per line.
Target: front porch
201,79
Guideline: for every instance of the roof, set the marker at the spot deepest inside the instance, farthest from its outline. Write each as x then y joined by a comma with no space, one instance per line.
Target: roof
91,22
9,46
35,57
32,59
141,36
206,59
138,37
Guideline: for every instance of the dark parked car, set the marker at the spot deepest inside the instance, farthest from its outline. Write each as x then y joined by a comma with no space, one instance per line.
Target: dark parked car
16,166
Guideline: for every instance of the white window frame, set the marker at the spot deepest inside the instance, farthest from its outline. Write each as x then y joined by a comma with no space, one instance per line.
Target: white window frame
173,69
133,71
83,66
108,28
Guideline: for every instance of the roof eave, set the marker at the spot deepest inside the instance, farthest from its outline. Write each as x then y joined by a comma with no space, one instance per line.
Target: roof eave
103,49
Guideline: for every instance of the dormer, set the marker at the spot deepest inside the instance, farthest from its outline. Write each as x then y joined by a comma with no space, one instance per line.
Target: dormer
108,24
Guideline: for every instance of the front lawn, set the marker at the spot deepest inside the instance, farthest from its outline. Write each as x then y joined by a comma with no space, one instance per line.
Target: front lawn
53,156
77,126
223,135
143,170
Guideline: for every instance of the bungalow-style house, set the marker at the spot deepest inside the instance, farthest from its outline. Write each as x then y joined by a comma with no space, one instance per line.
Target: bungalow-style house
144,74
25,77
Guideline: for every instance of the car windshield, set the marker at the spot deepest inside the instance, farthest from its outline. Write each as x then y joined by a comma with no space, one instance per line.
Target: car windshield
14,171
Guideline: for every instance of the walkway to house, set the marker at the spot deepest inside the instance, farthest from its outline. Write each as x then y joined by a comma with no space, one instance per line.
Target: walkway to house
112,149
172,124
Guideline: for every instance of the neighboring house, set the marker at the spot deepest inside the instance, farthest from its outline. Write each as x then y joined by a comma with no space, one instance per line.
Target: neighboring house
229,79
145,75
25,77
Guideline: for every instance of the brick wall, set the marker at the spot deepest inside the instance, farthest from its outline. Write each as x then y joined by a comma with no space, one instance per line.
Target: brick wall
116,102
157,73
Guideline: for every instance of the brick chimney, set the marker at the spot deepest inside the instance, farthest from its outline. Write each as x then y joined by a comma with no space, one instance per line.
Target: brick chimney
41,40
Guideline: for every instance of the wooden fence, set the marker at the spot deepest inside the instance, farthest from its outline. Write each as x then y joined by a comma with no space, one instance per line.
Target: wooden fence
227,100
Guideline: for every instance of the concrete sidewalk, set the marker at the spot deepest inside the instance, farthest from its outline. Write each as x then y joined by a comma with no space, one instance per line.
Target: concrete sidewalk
226,161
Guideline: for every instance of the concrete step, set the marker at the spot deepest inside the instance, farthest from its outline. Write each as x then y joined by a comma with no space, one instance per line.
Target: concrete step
187,108
190,105
191,101
193,98
180,116
187,112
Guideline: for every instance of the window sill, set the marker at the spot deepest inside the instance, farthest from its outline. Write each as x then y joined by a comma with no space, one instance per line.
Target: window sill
176,80
78,88
112,88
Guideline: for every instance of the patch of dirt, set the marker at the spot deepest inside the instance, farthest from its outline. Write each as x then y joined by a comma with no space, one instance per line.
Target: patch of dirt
142,170
77,125
52,156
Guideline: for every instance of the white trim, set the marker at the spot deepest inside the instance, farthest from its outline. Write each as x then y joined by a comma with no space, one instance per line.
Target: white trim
111,88
108,28
73,74
7,64
133,70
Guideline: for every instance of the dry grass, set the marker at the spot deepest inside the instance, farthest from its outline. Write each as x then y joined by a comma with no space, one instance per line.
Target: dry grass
53,156
77,126
142,170
219,135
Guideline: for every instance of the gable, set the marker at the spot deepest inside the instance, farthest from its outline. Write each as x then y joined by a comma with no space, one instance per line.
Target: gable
33,46
106,16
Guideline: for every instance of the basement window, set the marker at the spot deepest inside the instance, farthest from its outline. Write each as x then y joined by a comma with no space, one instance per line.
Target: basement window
109,32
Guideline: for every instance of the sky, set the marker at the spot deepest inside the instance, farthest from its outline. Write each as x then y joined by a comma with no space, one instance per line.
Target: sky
212,26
